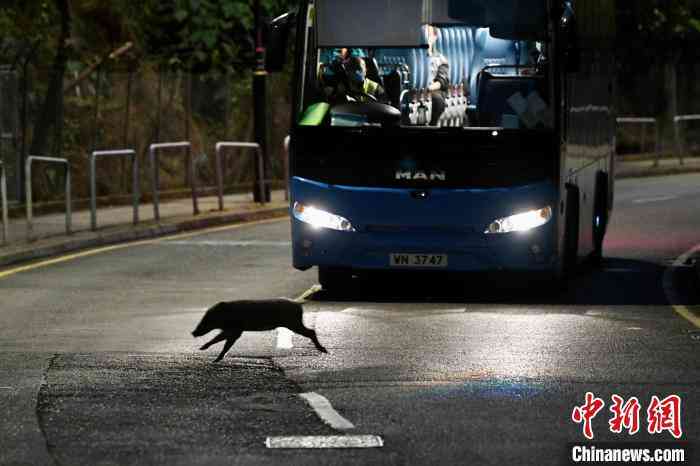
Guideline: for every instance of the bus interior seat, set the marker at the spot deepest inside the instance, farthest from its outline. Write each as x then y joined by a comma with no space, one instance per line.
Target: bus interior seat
397,68
468,50
488,51
463,55
454,42
495,92
393,85
389,60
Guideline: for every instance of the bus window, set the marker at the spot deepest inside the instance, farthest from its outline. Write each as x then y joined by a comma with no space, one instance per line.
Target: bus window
455,74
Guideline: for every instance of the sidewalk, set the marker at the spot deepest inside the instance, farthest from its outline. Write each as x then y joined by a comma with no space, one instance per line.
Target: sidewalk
115,225
645,168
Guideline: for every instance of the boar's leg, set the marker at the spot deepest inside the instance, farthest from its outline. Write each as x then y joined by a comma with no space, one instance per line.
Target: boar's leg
216,339
311,335
231,338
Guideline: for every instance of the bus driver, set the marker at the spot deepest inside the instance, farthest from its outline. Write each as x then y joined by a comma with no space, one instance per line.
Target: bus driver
360,85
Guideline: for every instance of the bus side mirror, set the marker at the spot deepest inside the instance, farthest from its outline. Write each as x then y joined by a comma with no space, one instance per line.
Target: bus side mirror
277,38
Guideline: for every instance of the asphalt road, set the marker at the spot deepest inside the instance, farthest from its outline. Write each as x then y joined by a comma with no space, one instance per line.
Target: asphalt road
97,364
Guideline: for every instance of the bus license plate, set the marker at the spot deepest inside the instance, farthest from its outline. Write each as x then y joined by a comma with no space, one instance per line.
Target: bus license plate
418,260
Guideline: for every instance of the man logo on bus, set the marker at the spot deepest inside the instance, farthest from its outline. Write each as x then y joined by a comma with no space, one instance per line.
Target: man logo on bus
433,175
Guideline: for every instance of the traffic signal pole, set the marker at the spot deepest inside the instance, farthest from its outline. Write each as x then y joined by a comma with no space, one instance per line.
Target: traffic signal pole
260,104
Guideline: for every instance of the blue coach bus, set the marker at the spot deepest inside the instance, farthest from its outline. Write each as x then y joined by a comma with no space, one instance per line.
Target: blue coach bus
457,135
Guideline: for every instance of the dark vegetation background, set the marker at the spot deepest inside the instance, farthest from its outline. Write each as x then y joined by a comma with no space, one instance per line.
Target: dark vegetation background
79,75
658,54
83,75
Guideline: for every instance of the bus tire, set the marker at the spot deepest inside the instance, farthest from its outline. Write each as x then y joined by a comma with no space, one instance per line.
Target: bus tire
332,279
570,250
600,217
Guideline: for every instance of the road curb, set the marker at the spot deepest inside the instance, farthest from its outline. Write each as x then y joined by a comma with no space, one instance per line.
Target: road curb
121,234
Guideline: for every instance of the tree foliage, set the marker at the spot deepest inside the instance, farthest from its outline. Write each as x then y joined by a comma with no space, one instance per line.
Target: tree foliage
670,20
201,34
27,28
654,37
662,25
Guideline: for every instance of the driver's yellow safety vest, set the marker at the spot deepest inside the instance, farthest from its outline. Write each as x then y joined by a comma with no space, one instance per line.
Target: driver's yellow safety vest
370,87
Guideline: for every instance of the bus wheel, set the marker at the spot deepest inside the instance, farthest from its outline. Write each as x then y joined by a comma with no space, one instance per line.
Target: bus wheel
571,231
332,279
600,216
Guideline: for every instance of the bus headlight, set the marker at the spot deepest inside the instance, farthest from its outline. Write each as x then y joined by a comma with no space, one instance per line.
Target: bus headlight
318,218
521,222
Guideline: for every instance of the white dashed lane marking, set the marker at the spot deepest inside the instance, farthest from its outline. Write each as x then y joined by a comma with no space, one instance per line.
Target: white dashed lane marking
284,338
326,412
326,441
649,200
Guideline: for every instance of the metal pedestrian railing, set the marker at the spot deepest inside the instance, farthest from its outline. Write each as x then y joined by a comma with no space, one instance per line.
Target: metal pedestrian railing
153,150
646,121
677,120
3,200
93,182
28,187
219,168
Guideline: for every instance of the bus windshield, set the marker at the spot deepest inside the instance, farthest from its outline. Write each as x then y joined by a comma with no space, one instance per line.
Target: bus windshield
423,63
